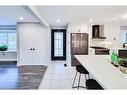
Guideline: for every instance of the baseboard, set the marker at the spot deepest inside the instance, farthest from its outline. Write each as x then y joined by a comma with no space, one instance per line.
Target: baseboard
32,64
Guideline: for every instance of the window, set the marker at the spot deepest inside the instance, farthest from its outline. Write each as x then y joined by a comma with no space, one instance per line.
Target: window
9,39
126,37
58,44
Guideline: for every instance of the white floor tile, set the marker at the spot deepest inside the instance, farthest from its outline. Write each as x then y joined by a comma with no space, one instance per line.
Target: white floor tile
65,76
47,76
66,84
56,76
45,84
59,77
56,84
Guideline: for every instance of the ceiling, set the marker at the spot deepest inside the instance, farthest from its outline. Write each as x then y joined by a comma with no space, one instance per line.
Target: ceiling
66,14
82,14
9,15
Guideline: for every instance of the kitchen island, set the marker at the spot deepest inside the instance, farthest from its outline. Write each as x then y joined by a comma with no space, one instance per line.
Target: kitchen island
107,75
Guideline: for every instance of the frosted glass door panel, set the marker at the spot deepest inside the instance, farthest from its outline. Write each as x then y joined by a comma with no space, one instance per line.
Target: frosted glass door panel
58,46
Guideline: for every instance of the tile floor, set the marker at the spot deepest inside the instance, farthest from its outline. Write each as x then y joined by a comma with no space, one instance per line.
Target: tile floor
59,77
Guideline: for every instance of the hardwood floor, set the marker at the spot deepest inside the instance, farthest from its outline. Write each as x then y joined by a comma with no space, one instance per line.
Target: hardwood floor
23,77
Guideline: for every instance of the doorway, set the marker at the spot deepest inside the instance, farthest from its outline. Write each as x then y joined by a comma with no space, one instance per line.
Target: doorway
58,44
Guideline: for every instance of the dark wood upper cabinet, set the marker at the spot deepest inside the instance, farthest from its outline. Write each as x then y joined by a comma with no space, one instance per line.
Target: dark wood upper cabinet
79,46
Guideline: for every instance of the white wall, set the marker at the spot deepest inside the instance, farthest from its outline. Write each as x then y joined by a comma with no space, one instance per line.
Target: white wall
113,31
8,56
45,37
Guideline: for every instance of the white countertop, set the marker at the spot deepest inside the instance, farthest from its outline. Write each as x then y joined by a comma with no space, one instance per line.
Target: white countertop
104,72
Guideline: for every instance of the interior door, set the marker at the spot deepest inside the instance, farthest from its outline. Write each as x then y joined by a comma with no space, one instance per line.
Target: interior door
26,47
39,47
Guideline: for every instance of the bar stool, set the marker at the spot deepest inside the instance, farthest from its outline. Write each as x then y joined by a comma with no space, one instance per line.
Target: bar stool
93,85
81,70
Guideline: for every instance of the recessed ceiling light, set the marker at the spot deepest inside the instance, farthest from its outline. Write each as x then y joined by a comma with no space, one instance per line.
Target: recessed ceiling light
58,20
21,18
90,20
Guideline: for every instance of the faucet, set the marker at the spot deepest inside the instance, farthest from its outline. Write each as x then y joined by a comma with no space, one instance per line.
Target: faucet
124,45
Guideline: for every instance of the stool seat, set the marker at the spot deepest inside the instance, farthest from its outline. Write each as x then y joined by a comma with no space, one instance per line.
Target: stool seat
93,84
81,69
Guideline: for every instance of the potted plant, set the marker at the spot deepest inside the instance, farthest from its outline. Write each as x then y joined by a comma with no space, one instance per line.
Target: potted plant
123,65
123,62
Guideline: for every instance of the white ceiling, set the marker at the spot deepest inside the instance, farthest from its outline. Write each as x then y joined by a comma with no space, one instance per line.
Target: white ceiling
9,15
82,14
66,14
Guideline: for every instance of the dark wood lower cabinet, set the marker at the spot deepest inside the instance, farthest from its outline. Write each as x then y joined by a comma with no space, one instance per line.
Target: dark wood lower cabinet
122,53
74,61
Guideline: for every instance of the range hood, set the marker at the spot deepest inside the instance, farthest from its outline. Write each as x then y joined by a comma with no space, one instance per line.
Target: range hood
98,32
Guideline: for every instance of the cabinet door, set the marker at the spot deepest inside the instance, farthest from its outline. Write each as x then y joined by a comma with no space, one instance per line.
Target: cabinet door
26,47
39,44
79,43
83,44
75,43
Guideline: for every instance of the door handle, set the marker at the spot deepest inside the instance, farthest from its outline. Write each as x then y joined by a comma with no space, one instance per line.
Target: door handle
30,49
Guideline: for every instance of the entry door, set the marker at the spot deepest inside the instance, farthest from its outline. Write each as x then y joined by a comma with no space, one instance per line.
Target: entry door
26,43
58,44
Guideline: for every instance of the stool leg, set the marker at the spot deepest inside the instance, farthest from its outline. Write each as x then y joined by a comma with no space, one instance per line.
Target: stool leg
74,80
79,81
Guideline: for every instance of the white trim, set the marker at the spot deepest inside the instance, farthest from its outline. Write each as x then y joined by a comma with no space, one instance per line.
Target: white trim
8,59
36,13
21,64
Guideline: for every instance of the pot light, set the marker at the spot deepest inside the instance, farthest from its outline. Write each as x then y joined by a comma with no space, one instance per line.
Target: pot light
90,20
21,18
58,20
